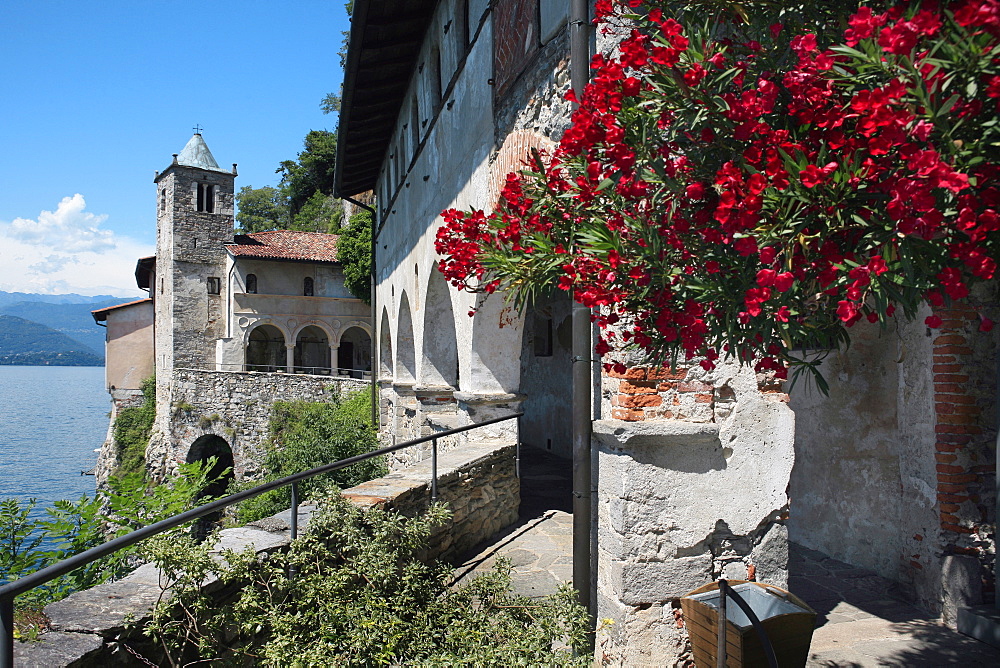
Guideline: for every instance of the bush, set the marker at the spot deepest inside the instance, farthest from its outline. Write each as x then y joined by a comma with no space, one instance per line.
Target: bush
305,435
131,432
361,596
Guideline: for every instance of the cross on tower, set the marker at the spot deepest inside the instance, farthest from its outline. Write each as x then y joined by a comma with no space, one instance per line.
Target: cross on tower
197,129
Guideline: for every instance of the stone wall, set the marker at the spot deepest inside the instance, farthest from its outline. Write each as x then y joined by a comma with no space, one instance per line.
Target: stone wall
236,406
692,470
895,469
91,628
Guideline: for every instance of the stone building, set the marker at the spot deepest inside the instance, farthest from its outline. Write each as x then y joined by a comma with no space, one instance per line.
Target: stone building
692,469
232,323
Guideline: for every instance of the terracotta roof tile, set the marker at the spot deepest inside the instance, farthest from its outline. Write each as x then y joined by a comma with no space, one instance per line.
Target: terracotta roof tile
286,245
101,314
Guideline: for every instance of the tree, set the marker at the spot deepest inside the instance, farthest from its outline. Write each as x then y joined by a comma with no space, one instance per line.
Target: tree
261,209
355,255
736,186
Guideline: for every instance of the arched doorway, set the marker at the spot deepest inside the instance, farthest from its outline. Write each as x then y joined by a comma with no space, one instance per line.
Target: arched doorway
355,353
312,350
265,349
214,449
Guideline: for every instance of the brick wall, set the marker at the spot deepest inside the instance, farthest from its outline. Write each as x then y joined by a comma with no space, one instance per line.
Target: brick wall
661,393
515,40
964,367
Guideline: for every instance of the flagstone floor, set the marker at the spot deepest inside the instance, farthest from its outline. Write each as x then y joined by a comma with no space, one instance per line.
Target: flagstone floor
863,620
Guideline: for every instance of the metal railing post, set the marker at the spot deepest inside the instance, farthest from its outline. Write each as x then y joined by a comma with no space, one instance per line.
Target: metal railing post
517,450
7,632
294,523
434,470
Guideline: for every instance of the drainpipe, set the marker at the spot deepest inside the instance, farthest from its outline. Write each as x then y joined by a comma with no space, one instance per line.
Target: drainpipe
583,352
375,357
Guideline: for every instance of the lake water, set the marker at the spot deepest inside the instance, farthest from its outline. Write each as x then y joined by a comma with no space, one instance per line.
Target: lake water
54,418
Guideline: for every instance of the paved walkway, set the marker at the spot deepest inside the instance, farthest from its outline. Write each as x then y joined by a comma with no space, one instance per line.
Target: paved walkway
863,620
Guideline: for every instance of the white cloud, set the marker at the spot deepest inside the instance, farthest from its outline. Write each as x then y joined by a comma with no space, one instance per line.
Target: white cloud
66,251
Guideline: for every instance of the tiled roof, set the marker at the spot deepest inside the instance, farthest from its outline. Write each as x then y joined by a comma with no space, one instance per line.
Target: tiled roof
286,245
101,314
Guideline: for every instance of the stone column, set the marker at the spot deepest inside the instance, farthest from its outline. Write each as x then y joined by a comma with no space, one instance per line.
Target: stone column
334,359
290,357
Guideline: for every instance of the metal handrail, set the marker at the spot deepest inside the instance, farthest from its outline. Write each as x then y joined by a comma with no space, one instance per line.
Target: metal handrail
11,590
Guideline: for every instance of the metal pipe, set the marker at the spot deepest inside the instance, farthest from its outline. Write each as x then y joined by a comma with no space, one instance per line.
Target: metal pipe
720,643
371,277
765,642
582,413
434,471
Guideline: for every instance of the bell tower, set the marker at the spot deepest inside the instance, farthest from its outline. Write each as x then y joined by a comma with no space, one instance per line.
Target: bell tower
194,218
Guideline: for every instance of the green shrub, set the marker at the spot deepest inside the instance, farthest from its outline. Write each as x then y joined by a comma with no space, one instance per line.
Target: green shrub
131,432
307,434
71,527
361,596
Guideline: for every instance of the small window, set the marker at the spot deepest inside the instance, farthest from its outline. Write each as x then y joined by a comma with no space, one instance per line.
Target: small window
543,336
252,284
307,286
206,198
163,199
214,285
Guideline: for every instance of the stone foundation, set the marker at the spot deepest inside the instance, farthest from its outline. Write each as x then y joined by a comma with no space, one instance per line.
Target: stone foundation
236,406
682,502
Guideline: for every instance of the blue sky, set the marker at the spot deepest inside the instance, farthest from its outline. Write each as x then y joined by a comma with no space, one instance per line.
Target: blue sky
97,95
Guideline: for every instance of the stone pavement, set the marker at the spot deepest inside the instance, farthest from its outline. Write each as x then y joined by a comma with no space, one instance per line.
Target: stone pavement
863,620
540,545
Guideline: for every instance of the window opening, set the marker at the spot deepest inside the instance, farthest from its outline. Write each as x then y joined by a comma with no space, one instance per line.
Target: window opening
307,286
252,284
214,285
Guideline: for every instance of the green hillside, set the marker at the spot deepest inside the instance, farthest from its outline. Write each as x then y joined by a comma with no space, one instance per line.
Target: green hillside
28,343
72,319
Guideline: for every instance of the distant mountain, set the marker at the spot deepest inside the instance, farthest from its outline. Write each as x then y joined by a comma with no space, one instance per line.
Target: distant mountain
68,314
14,297
29,343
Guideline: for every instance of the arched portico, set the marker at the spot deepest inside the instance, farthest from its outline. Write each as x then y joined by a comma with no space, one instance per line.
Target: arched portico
439,352
385,347
265,349
406,367
312,350
354,354
495,366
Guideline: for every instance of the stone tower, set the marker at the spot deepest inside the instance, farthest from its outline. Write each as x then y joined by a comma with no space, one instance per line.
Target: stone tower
194,218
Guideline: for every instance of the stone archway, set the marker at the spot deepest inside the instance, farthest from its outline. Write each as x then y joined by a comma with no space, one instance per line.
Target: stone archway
385,347
221,472
355,352
312,350
265,349
406,367
439,352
